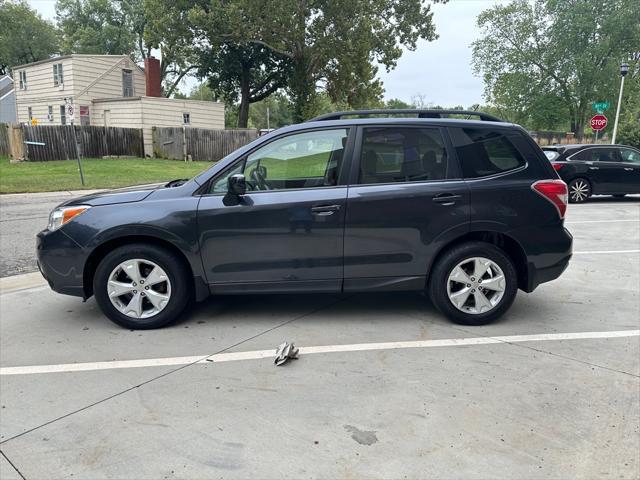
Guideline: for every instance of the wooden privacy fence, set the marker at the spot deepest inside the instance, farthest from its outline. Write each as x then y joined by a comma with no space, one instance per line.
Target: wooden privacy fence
198,143
4,140
56,142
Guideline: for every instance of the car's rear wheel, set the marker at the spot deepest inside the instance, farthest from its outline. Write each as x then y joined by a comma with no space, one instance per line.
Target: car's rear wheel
473,283
579,190
142,286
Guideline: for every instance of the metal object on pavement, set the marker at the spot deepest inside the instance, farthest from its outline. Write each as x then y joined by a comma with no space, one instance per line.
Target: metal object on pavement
285,352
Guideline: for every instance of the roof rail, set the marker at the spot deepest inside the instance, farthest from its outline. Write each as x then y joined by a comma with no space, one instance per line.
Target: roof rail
434,113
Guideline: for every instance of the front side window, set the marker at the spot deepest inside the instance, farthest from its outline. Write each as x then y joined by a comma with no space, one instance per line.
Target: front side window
58,77
127,83
50,113
630,155
396,154
485,151
63,115
30,113
303,160
186,118
23,80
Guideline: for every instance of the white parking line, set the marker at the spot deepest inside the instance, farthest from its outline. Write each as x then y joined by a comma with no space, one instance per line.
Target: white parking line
606,251
358,347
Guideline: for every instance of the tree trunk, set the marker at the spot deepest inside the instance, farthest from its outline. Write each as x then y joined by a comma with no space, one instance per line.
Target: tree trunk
245,92
303,91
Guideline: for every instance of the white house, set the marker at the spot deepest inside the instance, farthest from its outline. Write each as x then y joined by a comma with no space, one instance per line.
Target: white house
7,100
106,90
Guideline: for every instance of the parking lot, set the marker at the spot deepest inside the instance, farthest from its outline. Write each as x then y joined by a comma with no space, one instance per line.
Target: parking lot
384,386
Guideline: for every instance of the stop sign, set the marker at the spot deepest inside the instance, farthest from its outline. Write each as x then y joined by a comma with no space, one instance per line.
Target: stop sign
598,122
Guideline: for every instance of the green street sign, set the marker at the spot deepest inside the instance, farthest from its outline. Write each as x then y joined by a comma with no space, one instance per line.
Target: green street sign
600,107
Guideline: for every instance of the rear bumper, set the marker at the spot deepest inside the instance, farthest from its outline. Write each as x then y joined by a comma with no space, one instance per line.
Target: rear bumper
543,275
549,257
61,262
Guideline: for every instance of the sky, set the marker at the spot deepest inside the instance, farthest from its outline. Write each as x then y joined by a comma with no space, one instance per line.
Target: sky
440,71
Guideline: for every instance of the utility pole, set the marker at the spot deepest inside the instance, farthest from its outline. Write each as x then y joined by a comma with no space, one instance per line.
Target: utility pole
624,69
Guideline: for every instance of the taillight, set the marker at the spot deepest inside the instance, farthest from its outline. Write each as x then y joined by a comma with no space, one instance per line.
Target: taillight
557,166
555,191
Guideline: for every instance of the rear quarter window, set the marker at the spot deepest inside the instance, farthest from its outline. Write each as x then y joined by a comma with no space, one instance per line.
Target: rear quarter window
484,151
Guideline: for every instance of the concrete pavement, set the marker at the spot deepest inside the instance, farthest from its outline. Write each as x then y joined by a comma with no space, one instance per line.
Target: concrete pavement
546,407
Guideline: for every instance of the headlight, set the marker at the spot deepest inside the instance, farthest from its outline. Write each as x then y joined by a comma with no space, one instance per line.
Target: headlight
62,215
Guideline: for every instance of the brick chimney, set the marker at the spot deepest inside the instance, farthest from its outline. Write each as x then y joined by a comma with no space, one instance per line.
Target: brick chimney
152,77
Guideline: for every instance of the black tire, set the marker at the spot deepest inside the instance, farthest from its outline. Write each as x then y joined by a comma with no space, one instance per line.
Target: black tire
579,190
439,276
178,274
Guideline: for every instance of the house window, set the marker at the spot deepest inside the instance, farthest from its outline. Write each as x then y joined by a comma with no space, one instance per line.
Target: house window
58,77
85,119
30,113
186,118
23,80
127,83
50,113
63,115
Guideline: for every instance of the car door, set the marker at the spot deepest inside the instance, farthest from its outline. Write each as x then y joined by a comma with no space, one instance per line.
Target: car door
286,232
406,198
604,169
631,165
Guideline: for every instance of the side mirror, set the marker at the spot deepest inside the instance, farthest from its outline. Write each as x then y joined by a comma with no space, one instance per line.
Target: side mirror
237,184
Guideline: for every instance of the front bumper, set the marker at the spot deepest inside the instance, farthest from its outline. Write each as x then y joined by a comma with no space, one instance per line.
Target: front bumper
61,262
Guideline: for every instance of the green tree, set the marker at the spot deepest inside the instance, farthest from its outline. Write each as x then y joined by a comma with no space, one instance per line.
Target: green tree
168,29
24,36
327,40
244,73
95,27
548,52
629,125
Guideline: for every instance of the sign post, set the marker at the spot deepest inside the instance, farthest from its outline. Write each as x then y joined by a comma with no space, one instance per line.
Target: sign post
600,107
70,110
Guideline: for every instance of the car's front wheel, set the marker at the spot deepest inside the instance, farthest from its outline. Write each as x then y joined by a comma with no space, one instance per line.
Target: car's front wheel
142,286
473,283
579,190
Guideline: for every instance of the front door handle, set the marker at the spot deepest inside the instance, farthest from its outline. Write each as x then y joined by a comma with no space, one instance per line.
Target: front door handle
628,169
324,210
446,199
594,168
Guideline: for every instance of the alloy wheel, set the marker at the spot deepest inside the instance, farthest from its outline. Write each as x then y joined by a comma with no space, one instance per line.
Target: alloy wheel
579,191
476,285
139,288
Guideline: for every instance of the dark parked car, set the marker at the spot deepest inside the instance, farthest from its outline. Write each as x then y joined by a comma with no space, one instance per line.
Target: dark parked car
469,211
596,169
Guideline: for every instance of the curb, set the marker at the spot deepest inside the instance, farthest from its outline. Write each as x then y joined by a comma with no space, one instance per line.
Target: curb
63,193
21,282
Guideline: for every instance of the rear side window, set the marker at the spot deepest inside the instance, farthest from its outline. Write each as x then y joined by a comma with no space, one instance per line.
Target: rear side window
483,152
401,154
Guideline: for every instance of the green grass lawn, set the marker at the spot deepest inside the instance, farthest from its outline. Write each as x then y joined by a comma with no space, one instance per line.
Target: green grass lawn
98,173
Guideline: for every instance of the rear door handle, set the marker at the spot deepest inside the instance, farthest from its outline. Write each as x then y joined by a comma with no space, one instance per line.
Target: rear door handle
446,199
594,168
324,210
628,169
